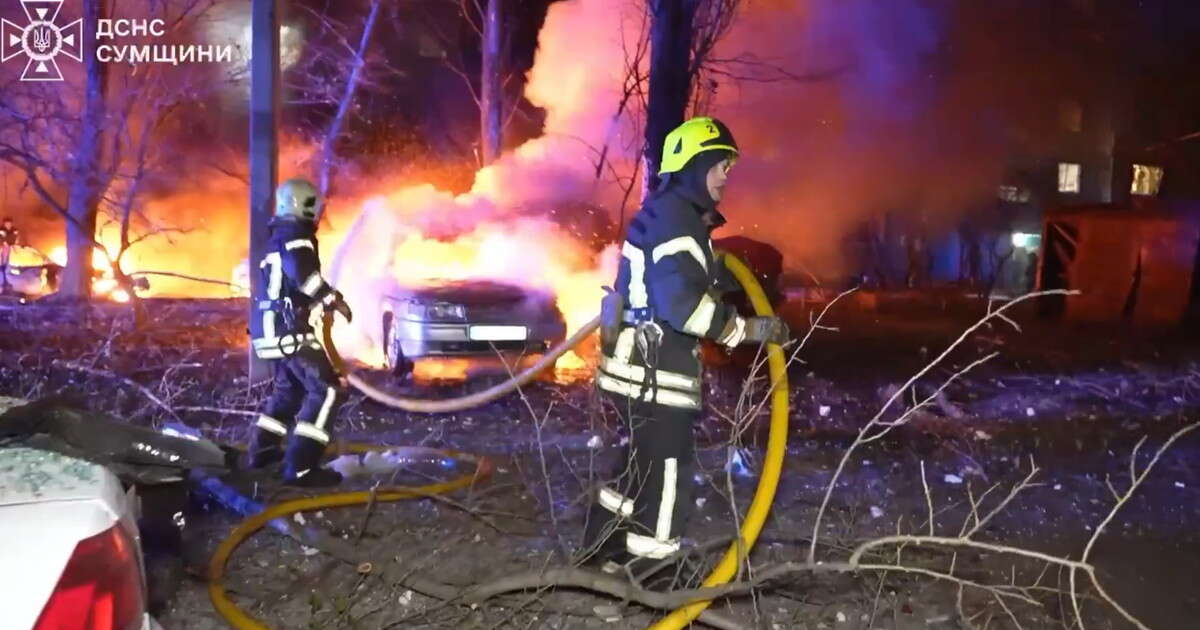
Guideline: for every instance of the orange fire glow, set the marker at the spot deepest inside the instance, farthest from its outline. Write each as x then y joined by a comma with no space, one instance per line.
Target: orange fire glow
526,251
105,285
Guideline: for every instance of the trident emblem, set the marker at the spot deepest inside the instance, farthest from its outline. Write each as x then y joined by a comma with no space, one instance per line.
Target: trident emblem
41,40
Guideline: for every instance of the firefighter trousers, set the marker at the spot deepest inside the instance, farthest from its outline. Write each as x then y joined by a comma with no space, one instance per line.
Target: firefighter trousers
643,509
304,401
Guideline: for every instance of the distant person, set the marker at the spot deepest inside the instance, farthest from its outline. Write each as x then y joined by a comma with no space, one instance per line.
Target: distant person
10,237
918,262
667,297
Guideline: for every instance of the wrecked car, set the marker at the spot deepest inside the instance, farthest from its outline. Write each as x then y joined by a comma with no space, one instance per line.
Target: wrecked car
467,317
79,552
90,508
29,273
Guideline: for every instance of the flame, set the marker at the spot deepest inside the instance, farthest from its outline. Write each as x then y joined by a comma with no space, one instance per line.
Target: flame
105,284
432,370
393,230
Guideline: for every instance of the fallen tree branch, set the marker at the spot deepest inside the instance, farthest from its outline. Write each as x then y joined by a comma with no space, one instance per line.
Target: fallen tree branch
1136,480
113,375
877,420
395,574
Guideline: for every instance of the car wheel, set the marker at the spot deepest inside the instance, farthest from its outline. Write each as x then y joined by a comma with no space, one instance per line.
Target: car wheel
392,351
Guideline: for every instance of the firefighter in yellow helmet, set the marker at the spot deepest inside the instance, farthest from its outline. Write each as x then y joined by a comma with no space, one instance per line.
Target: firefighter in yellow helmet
667,297
306,393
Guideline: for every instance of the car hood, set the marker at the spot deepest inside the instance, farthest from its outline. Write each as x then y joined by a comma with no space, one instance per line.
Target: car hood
468,292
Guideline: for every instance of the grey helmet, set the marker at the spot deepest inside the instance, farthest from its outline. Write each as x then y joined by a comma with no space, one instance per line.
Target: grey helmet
298,198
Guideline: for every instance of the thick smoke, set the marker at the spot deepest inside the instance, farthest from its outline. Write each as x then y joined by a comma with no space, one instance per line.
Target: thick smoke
408,234
848,114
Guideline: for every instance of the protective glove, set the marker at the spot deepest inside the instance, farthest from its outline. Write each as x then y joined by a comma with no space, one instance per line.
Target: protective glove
766,330
339,304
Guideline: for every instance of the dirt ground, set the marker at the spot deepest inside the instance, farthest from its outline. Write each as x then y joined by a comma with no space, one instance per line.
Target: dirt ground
1074,401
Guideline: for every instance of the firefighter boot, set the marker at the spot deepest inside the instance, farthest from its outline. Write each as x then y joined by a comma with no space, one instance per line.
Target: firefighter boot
302,465
266,448
603,539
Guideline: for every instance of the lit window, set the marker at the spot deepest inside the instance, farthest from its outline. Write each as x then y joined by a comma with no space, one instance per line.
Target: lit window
1146,180
1068,177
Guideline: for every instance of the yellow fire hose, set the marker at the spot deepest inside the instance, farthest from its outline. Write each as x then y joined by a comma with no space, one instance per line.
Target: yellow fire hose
764,495
725,570
237,617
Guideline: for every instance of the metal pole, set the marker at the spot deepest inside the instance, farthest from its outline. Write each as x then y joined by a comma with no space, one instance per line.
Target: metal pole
264,114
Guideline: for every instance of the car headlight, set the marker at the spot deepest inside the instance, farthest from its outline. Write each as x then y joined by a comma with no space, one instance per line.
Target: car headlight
438,311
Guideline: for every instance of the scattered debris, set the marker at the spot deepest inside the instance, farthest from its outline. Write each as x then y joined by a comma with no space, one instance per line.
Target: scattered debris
607,612
952,478
737,463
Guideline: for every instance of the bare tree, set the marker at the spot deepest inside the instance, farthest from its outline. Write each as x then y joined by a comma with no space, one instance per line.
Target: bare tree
671,37
491,83
123,131
85,185
357,63
490,22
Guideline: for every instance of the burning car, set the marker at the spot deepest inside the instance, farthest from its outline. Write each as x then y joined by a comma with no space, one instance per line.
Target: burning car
29,272
467,317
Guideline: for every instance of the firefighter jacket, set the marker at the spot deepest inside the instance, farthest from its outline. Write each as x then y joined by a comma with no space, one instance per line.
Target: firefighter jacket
10,236
671,285
291,272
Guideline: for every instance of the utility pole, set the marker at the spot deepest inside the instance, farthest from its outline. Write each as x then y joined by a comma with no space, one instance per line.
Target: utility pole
264,164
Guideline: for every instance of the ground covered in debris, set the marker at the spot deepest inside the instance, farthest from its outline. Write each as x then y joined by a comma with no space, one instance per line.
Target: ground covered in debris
1072,402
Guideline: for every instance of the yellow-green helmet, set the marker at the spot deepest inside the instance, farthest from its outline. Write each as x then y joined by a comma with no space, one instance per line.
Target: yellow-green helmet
298,198
693,137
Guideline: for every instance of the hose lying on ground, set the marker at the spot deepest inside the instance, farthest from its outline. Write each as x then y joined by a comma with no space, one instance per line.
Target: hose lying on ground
241,620
725,570
422,405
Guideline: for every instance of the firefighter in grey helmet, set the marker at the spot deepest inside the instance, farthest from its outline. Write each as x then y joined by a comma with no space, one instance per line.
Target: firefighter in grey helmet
666,298
306,392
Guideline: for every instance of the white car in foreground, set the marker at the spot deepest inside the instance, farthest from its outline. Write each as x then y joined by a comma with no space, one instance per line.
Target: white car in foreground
70,556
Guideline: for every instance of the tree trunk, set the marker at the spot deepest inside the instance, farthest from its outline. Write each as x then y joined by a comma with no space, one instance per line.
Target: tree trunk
84,190
670,77
491,92
328,154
